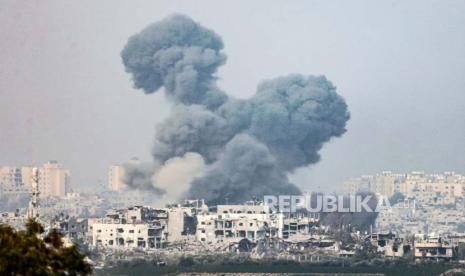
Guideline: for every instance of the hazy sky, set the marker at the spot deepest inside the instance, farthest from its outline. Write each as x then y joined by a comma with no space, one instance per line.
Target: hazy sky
400,65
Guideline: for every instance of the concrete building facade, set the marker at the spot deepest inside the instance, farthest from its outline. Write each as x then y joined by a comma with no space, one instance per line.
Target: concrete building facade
232,223
436,189
15,180
115,178
53,179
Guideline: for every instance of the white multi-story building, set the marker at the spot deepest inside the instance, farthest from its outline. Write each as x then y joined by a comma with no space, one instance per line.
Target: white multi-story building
142,227
53,179
107,233
115,178
385,183
15,180
436,189
232,223
193,223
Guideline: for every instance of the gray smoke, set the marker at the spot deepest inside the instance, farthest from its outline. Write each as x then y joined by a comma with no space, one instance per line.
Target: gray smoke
179,55
246,169
249,145
138,175
295,115
191,129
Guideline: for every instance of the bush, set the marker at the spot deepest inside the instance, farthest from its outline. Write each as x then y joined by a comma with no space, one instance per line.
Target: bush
186,261
25,253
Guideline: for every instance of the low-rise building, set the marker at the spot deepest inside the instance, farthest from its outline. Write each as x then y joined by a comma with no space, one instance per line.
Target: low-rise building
432,248
141,226
232,223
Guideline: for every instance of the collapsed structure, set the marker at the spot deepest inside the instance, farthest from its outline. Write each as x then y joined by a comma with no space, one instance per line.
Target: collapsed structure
223,225
146,227
251,227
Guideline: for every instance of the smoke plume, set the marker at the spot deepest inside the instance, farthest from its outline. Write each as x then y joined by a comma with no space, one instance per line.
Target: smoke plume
179,55
177,174
138,175
249,146
245,169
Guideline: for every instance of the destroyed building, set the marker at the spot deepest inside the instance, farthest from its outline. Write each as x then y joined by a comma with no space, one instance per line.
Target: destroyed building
235,222
141,227
433,248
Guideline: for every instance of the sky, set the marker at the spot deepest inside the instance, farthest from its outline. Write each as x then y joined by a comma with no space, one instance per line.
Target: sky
64,94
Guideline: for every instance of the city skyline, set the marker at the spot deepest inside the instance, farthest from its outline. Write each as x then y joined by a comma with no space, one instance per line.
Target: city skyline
265,137
68,97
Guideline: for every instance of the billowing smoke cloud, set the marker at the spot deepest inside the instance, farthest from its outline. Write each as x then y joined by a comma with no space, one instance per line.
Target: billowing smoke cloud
138,175
177,174
295,115
191,129
179,55
250,145
245,169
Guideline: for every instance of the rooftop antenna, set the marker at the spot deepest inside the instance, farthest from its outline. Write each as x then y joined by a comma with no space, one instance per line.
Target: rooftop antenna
33,210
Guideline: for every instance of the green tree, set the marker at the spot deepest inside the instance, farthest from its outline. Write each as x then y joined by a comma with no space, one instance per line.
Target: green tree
186,261
26,253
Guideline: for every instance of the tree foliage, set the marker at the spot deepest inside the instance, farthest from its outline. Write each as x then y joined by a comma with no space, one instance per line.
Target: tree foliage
27,253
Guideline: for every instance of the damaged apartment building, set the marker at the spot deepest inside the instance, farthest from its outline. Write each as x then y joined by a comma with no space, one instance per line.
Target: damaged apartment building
141,227
231,223
153,228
